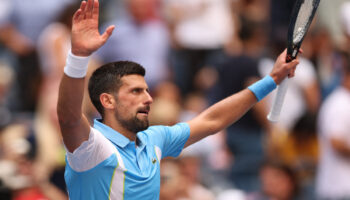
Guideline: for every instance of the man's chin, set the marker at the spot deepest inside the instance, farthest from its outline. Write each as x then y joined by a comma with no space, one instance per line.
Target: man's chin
142,118
142,124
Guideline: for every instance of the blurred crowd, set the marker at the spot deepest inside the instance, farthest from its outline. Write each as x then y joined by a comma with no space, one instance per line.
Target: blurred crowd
195,52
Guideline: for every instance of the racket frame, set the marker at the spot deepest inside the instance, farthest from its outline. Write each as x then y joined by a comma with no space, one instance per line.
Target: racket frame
292,52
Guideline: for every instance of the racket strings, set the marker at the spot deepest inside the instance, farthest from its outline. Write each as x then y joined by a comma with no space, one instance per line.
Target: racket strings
302,22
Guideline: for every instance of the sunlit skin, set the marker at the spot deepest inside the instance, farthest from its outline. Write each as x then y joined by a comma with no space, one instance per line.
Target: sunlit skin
130,106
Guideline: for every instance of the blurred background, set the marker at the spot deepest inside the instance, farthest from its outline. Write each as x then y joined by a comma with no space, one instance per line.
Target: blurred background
195,52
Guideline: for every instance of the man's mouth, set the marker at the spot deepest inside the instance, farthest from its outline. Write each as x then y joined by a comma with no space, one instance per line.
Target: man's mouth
144,111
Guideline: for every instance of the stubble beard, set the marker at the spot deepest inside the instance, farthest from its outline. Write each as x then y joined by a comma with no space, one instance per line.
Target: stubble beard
134,124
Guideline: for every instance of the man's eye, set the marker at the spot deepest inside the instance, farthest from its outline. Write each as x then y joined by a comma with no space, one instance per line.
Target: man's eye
135,91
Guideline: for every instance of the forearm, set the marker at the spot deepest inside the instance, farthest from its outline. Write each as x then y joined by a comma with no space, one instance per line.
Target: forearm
228,110
69,107
74,126
220,115
239,103
71,91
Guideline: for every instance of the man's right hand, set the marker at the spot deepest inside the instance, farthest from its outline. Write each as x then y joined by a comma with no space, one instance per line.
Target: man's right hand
85,35
283,69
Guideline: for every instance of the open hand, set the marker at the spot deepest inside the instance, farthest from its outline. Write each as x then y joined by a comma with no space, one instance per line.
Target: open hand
85,35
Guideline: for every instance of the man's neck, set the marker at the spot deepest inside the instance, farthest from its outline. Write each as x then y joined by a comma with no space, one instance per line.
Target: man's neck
115,125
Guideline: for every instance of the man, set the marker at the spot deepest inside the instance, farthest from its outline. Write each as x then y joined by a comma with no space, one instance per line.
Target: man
334,130
119,158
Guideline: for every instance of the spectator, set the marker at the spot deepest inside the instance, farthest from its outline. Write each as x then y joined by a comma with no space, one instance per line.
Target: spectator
19,31
279,182
197,37
141,37
299,150
180,181
328,16
19,169
333,126
166,106
327,59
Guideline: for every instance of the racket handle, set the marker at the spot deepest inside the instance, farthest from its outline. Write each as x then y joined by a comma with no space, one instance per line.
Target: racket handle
275,111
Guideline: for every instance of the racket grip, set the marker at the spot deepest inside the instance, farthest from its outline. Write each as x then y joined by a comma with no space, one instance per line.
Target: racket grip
275,111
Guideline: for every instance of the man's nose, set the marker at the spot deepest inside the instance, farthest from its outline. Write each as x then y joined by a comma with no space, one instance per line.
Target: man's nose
149,99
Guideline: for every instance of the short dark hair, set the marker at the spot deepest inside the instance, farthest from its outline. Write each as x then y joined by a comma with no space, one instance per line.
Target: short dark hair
107,79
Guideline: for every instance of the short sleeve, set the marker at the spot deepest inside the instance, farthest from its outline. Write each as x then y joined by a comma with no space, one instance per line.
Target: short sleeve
90,153
170,139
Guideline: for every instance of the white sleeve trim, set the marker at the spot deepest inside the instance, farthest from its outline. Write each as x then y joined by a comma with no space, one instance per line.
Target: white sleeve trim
91,152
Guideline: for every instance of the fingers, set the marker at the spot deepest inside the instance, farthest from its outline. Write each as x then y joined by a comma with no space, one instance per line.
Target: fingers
292,67
294,63
292,73
95,12
107,33
89,9
77,14
283,55
82,8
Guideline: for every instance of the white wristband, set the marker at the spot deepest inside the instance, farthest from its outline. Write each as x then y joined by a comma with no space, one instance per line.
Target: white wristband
76,66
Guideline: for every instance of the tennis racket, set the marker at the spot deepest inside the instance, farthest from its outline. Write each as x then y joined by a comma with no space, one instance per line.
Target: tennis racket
301,18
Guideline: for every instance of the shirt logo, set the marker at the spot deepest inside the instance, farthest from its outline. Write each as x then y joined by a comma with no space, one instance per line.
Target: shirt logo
154,160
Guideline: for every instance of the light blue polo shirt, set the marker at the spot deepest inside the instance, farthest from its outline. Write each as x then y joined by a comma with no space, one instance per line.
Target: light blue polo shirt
110,166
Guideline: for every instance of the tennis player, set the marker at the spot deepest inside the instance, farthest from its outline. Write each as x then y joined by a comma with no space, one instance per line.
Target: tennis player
119,157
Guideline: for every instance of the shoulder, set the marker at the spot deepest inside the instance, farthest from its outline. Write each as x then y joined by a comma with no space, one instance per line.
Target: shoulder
153,131
160,132
162,128
91,152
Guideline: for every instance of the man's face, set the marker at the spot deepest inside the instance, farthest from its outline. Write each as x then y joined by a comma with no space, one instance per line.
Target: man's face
133,103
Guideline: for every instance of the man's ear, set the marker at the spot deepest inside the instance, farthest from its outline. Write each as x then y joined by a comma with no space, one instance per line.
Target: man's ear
107,101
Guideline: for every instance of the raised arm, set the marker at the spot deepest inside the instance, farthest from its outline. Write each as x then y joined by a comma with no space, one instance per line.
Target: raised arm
230,109
85,40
